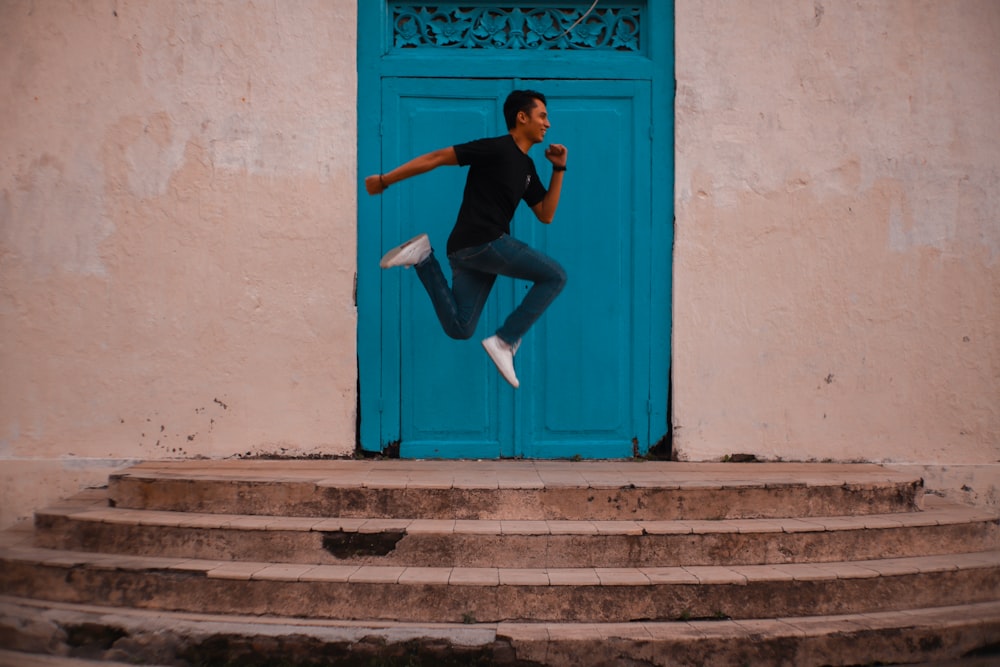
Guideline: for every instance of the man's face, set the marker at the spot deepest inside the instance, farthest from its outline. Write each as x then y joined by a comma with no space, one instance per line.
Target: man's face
536,122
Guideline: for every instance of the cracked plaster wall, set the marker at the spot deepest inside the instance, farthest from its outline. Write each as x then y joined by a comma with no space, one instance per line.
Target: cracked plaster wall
177,235
837,259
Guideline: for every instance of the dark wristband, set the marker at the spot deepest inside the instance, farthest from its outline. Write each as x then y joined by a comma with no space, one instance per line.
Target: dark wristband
562,168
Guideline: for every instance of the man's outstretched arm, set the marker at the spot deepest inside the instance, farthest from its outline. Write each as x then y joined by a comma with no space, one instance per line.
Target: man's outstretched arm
376,184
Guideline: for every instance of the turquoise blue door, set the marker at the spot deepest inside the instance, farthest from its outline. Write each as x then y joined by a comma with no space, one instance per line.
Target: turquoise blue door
594,369
450,404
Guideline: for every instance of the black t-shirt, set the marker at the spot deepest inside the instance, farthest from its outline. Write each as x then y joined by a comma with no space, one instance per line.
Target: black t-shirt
500,176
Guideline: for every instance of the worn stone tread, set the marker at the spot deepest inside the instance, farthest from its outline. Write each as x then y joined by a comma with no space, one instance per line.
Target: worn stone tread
421,594
21,659
939,529
491,472
738,575
891,637
515,490
936,514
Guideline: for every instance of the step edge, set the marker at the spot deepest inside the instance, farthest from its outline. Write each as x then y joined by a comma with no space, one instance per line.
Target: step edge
586,576
976,613
458,483
935,517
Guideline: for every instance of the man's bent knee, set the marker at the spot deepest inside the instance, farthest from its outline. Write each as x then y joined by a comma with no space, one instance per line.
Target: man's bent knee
559,276
458,332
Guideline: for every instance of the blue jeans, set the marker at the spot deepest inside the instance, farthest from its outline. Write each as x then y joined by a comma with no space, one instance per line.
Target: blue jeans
474,270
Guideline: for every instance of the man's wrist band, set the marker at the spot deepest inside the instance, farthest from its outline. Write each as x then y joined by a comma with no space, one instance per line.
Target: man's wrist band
562,168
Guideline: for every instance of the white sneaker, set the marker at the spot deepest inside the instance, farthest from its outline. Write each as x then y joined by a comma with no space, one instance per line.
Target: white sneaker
412,252
502,355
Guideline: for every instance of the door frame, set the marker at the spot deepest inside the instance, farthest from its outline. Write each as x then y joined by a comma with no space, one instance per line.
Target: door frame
376,60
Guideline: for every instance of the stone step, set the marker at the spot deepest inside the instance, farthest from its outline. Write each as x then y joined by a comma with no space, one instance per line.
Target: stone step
87,524
515,490
509,562
137,636
427,594
22,659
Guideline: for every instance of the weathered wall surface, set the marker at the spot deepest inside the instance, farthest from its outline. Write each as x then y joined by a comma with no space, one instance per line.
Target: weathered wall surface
837,261
177,235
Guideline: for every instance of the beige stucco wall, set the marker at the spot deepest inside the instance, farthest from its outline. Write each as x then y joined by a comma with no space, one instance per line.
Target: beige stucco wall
837,260
177,235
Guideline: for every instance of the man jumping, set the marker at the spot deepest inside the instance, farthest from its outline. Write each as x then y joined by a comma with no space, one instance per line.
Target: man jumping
480,247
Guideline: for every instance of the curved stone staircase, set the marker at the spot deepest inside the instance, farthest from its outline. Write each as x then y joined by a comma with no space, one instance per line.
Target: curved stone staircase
506,563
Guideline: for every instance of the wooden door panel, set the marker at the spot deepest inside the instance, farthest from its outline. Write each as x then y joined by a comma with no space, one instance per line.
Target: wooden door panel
451,404
585,385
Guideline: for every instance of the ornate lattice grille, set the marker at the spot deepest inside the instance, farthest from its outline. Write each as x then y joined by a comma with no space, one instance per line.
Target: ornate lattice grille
504,27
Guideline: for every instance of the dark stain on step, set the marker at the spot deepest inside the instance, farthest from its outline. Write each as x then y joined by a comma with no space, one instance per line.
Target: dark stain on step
94,636
346,545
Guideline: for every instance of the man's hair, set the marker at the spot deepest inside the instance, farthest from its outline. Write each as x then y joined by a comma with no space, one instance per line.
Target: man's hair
520,100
